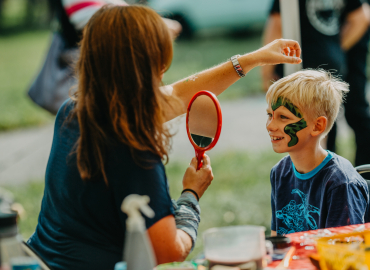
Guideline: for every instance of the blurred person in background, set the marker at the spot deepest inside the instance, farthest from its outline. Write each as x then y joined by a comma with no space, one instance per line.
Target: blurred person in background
54,82
357,110
332,34
73,15
109,142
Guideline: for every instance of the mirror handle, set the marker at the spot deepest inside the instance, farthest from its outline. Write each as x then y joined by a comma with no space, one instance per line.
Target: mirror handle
199,154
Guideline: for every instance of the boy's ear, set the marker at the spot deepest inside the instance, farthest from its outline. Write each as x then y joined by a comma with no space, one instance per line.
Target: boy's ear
319,126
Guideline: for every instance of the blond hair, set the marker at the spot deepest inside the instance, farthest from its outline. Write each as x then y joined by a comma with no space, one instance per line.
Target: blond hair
315,92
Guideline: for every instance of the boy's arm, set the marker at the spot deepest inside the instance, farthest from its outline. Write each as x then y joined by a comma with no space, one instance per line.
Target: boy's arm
273,233
346,206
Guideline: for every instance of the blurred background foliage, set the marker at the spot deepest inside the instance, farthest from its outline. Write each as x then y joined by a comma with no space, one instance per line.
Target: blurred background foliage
21,15
25,34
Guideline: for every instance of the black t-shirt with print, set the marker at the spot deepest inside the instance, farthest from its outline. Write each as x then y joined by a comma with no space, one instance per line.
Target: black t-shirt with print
320,26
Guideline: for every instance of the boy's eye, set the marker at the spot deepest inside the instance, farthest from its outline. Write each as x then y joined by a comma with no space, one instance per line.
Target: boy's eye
269,115
283,117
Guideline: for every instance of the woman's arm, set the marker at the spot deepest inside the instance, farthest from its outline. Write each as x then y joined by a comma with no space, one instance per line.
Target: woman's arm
170,243
219,78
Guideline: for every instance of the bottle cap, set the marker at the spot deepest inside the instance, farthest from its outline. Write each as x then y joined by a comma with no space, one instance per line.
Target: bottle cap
120,266
8,219
132,205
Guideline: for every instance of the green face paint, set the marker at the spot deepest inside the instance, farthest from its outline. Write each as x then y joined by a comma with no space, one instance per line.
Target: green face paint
291,129
287,104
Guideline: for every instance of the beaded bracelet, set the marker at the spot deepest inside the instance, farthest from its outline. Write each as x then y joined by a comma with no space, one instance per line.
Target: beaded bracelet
237,66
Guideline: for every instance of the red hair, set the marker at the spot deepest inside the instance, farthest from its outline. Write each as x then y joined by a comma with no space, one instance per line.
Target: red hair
123,53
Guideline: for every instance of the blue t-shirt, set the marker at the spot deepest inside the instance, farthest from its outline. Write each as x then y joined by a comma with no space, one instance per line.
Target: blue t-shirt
81,225
331,195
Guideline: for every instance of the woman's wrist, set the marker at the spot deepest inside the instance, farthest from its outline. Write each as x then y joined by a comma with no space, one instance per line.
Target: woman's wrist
187,215
191,191
249,61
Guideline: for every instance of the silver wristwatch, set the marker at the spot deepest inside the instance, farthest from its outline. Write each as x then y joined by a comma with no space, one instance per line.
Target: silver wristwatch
237,66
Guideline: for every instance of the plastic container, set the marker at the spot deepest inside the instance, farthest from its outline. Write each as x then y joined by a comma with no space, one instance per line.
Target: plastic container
235,245
281,245
10,240
138,250
344,251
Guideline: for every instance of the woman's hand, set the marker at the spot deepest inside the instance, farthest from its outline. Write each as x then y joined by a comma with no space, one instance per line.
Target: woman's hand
279,51
198,180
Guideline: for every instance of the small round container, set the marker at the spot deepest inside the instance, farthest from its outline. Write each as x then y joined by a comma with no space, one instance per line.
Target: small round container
24,263
281,245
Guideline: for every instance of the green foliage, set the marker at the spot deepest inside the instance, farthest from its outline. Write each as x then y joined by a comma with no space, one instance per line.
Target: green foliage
22,15
21,58
346,147
30,196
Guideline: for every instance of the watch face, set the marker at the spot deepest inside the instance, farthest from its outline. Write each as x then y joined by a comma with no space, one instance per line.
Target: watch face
324,15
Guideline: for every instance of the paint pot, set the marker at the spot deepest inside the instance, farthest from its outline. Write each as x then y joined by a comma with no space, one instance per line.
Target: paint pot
24,263
281,245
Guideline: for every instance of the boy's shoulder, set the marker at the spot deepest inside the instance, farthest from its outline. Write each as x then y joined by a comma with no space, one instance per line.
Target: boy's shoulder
283,165
342,171
337,171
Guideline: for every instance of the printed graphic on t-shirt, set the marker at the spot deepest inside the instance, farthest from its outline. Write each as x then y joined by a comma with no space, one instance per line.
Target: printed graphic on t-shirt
297,216
324,15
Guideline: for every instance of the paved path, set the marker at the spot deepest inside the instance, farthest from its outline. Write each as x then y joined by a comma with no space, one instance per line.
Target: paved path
24,153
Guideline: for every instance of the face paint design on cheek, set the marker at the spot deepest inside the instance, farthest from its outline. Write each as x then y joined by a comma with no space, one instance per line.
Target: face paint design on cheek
291,129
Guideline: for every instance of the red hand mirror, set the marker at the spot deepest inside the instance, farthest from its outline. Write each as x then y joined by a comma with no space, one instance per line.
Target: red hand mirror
203,123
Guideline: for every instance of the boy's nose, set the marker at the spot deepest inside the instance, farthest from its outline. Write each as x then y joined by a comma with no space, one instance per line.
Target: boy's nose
270,125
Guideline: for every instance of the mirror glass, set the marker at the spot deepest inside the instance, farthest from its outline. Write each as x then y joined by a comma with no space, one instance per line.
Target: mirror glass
203,121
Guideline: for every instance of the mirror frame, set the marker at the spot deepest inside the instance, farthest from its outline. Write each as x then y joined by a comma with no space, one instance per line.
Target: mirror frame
199,151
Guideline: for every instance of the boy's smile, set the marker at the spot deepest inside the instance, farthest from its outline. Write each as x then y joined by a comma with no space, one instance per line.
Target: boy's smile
283,123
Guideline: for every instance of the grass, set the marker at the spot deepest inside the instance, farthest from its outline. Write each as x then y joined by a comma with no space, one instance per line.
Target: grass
239,194
21,57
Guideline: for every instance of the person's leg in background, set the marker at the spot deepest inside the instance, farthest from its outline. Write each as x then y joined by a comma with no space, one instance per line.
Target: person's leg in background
357,110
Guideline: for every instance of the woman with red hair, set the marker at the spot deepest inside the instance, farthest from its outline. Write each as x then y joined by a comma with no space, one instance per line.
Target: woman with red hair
109,141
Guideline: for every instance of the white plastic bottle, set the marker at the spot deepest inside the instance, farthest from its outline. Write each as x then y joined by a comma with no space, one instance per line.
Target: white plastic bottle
138,250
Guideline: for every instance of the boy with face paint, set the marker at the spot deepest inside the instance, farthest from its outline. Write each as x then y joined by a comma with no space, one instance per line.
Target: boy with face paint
311,188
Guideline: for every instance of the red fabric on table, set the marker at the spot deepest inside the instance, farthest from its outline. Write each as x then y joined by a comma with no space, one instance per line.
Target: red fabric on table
304,262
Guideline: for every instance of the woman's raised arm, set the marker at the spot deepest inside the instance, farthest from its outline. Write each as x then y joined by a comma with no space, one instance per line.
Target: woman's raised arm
217,79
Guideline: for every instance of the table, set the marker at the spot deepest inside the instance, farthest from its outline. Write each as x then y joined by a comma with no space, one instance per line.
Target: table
304,262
